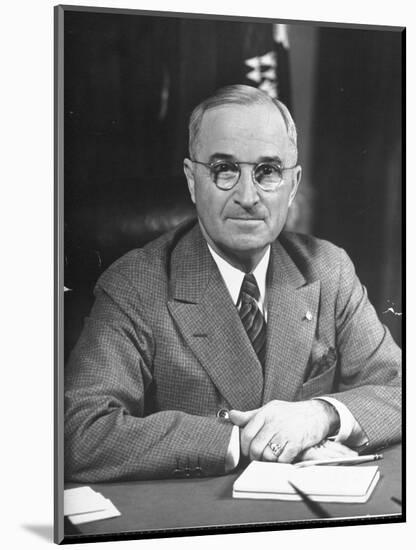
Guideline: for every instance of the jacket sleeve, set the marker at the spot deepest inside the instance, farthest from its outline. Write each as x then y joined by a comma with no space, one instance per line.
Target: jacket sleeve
369,367
110,434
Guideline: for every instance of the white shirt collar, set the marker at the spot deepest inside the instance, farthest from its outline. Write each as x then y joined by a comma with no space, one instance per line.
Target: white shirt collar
233,277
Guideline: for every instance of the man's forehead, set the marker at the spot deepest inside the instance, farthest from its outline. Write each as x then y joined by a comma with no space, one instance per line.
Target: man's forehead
239,125
239,115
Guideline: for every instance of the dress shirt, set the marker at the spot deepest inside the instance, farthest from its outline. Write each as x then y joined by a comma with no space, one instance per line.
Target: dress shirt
349,429
233,278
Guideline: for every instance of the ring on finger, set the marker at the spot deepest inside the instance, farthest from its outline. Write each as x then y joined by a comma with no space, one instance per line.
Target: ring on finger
276,448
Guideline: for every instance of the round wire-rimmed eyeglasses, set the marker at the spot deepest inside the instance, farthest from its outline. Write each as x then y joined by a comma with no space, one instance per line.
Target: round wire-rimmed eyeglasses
226,173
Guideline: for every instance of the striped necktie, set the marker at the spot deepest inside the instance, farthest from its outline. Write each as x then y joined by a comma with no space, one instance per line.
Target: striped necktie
251,316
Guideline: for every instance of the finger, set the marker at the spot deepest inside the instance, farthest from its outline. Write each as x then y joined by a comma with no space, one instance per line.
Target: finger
260,442
313,453
241,418
336,449
342,450
248,433
327,450
316,453
290,452
269,455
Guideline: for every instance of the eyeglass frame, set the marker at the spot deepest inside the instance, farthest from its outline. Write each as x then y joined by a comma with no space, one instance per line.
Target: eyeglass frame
255,166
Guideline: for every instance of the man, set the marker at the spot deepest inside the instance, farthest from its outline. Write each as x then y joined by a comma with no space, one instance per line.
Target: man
229,338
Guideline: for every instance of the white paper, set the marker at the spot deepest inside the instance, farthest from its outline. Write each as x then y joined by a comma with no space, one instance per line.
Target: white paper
109,512
321,483
82,500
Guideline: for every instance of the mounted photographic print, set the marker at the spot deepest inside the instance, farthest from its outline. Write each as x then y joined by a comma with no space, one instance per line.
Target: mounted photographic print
228,275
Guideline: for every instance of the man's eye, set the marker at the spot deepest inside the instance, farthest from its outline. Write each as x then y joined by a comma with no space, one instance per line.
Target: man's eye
268,171
223,167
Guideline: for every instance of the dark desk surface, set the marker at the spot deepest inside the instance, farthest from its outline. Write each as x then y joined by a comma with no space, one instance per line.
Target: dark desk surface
187,503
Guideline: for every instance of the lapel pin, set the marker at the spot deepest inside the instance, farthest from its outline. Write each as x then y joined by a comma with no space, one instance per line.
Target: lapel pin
308,316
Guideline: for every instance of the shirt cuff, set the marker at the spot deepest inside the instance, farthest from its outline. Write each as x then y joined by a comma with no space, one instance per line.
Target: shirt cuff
232,457
349,429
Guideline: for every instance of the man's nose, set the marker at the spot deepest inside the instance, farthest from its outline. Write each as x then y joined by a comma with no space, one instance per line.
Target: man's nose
246,191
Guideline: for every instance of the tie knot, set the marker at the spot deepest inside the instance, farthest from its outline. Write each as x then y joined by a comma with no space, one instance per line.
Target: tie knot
249,287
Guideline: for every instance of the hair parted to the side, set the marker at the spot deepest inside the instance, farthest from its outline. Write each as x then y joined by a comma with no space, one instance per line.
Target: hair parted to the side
238,94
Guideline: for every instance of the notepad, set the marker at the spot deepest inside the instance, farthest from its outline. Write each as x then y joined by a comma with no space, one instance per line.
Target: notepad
83,504
110,511
270,480
82,500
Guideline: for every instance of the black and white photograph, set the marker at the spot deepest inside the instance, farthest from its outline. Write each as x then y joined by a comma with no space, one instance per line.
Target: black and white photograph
229,301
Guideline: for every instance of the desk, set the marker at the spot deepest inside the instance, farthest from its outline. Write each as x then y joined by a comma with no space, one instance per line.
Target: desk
206,502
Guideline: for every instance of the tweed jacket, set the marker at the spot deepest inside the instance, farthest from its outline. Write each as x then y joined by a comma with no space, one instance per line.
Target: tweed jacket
164,349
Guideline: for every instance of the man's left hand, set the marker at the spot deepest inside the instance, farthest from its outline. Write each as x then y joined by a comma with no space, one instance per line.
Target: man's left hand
327,450
293,427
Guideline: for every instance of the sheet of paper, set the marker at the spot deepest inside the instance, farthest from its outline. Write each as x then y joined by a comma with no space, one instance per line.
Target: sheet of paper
109,512
322,483
334,480
70,493
82,500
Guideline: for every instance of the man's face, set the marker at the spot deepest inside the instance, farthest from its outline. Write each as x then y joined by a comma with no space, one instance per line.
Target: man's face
240,223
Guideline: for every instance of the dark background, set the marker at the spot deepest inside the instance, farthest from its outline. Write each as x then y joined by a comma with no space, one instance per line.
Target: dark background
130,83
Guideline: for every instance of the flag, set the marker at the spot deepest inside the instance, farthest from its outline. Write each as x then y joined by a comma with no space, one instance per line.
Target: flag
268,68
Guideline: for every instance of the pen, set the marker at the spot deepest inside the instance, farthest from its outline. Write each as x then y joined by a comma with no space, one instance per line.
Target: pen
313,506
347,460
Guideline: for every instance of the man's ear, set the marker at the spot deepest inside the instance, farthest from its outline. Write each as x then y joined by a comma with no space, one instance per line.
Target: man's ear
297,175
189,174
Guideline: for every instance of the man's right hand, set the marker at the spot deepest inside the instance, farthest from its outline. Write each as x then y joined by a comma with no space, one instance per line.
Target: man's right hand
292,426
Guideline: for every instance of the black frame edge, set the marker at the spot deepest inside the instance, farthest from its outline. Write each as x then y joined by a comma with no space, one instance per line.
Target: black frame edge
58,524
231,529
58,535
132,11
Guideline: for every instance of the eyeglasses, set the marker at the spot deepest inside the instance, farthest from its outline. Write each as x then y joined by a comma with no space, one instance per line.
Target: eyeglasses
225,173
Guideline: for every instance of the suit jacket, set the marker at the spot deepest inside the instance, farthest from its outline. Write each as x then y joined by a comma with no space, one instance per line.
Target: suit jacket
164,349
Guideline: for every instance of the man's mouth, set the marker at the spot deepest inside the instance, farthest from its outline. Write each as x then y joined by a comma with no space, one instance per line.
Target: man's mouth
246,218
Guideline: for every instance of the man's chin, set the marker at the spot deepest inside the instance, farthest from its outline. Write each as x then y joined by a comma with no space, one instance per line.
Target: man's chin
250,243
246,248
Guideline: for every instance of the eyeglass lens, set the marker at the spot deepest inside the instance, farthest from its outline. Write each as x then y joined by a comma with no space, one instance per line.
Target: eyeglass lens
225,174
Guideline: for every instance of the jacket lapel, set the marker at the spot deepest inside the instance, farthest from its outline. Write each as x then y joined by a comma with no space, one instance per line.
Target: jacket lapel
209,323
292,307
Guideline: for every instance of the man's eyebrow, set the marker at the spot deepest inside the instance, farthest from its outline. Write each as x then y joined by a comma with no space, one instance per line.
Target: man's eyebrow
221,156
225,156
271,159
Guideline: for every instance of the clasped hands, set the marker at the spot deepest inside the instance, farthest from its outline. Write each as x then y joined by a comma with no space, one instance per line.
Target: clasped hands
298,429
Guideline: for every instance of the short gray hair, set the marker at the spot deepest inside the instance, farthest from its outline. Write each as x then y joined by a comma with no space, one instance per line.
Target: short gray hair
239,94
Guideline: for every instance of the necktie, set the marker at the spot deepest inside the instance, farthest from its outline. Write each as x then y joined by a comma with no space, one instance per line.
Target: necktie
251,317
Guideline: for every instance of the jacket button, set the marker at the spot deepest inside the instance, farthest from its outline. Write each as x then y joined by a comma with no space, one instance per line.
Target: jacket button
224,414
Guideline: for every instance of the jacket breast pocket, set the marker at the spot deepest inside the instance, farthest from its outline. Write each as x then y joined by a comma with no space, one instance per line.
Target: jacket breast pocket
319,385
